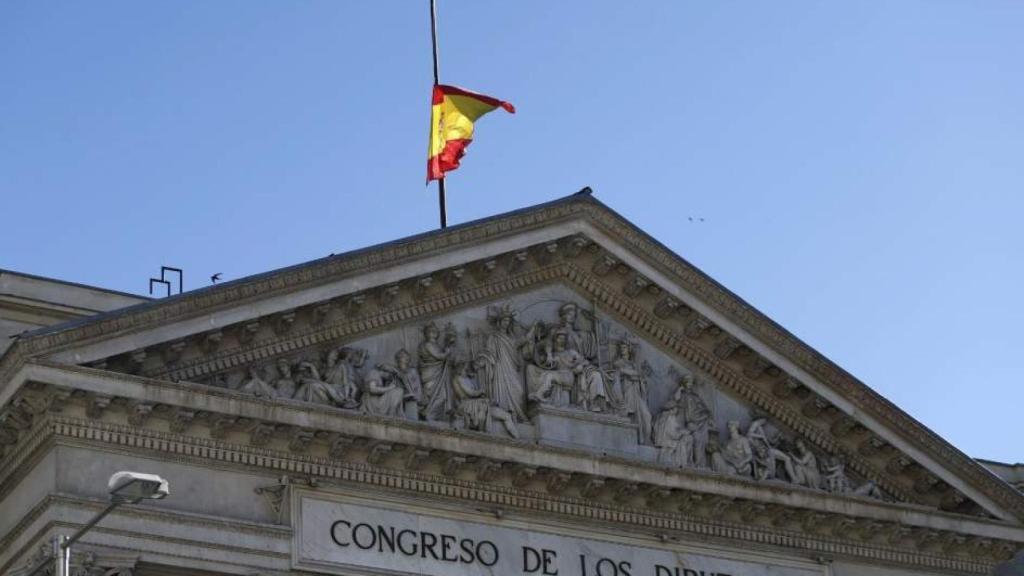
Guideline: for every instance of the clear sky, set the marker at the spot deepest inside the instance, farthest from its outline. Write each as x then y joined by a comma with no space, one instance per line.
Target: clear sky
859,164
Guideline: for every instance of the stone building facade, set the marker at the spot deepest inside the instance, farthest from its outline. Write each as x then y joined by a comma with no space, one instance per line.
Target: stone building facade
548,392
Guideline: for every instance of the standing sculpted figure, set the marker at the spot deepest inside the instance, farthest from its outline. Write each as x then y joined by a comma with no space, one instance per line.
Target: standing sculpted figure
697,418
501,363
436,370
632,381
340,372
284,385
257,386
673,440
472,406
392,390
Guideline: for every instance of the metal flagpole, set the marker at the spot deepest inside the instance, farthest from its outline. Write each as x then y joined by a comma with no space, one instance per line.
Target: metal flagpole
442,204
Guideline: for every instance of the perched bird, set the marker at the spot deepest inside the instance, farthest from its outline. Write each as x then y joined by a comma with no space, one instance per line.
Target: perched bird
215,278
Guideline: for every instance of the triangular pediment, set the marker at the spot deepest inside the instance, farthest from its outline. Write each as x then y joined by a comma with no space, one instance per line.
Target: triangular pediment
562,326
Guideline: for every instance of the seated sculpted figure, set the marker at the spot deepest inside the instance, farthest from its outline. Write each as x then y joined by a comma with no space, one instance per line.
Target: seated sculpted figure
565,377
738,454
673,440
313,389
766,455
257,386
472,406
340,372
393,390
805,466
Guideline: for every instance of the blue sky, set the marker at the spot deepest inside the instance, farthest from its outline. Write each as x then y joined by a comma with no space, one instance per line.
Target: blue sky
858,164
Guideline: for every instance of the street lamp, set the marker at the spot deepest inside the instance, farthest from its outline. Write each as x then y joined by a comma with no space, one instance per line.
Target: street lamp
124,488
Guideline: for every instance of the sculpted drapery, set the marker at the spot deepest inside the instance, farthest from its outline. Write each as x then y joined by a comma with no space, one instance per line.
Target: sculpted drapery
393,390
485,382
501,365
435,366
633,385
697,418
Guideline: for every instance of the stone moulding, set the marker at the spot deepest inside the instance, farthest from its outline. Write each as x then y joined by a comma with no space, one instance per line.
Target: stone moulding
133,512
562,212
812,533
667,339
65,422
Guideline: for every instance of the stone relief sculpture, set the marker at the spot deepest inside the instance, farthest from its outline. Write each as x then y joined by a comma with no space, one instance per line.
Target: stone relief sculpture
837,482
766,455
631,380
697,418
393,389
256,386
566,359
805,466
474,410
564,376
341,372
671,437
435,371
284,385
502,359
738,454
312,389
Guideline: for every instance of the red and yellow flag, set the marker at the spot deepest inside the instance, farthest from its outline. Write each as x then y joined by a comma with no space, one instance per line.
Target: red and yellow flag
452,115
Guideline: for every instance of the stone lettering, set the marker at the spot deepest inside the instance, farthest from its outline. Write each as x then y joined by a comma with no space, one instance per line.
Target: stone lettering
365,539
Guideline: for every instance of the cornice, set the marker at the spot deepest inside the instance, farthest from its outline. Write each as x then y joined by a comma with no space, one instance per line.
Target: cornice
722,521
666,334
136,512
302,276
763,328
669,333
643,246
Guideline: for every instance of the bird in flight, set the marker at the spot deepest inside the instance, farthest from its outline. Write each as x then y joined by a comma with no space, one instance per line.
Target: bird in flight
215,278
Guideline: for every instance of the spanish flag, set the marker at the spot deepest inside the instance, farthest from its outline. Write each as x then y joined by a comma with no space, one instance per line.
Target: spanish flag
452,114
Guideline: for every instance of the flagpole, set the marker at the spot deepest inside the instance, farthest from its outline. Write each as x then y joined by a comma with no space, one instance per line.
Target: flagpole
442,204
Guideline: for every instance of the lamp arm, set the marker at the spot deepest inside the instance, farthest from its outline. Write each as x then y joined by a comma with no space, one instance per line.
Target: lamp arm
96,519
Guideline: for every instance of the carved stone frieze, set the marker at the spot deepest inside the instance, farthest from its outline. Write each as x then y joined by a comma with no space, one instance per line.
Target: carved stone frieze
492,374
629,238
